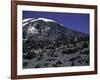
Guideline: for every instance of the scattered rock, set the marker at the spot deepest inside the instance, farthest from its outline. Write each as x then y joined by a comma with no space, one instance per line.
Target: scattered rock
25,64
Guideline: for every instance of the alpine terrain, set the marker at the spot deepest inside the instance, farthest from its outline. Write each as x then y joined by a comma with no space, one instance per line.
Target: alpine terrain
47,43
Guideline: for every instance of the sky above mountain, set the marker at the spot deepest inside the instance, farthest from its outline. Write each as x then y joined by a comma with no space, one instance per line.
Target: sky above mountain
76,21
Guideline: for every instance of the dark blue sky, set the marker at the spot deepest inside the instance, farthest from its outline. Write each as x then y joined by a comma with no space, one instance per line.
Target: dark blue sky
76,21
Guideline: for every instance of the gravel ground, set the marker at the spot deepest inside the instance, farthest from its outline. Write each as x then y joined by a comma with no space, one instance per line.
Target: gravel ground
59,57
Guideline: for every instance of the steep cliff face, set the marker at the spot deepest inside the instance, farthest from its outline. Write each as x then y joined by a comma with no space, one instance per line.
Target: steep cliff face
43,36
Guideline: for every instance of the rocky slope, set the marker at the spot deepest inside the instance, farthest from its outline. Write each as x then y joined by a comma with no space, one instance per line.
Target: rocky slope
46,43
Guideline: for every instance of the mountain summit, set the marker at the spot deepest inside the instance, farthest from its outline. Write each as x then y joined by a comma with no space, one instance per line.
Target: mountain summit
47,29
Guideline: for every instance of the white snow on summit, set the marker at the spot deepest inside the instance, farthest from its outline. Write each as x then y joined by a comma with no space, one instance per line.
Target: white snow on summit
45,19
33,19
27,20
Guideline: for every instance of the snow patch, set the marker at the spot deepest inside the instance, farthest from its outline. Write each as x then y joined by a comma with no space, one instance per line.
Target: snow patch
32,30
24,24
27,19
45,19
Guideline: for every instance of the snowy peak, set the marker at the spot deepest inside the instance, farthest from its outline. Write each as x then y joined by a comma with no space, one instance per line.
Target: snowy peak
36,19
48,29
46,20
27,20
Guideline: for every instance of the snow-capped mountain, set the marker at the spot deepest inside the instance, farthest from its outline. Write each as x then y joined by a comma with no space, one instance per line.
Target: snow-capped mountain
47,43
47,29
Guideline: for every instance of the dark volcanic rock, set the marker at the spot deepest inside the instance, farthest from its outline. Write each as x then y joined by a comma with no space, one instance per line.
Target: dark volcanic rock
30,55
